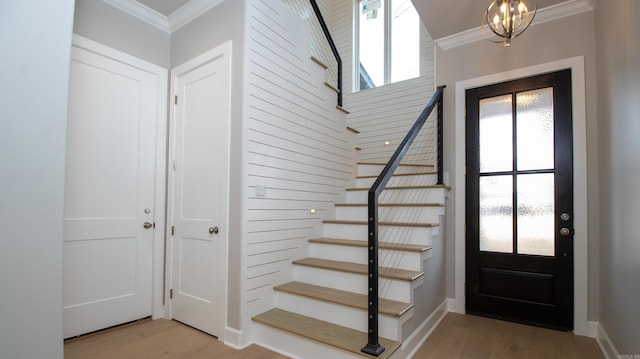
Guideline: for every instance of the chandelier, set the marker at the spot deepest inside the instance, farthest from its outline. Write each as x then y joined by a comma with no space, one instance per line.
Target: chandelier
507,19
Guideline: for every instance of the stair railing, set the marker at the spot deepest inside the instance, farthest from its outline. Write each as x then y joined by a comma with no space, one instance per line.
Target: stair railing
333,47
373,346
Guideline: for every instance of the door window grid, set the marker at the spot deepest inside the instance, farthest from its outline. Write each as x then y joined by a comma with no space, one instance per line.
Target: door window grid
517,137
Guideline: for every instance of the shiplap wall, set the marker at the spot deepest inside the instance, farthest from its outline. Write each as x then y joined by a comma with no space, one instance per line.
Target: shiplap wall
385,113
297,148
320,47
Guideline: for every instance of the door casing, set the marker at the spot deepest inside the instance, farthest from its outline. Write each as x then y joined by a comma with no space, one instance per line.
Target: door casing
576,64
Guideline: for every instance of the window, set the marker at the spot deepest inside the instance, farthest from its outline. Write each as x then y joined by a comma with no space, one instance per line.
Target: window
387,42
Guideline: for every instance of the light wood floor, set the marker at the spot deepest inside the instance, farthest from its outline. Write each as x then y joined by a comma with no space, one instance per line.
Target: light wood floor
157,339
470,337
458,336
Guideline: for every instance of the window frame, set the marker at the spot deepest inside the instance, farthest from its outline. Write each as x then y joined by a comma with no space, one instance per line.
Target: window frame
386,4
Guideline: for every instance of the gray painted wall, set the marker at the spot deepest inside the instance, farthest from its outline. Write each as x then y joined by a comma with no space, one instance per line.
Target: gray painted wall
551,41
101,22
35,37
619,134
224,22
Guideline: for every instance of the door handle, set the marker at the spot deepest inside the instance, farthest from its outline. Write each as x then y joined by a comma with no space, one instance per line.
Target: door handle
147,225
213,230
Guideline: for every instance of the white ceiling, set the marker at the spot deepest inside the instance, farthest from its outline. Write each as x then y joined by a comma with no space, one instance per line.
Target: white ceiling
445,17
165,7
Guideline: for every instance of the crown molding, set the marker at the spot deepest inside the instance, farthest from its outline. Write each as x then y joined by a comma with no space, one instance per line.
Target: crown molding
543,15
189,12
173,22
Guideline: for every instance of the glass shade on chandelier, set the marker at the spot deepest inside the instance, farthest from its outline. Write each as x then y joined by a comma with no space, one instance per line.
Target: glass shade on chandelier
507,19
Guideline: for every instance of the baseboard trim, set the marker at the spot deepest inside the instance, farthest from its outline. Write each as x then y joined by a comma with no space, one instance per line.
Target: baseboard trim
608,349
420,335
233,339
592,329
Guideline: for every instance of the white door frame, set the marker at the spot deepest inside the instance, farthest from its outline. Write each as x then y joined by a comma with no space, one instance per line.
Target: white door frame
159,210
580,270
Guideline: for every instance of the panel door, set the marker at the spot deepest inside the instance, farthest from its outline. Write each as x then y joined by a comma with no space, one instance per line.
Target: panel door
520,201
200,191
108,193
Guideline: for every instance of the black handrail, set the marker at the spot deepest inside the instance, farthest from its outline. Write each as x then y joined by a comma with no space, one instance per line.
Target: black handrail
332,44
373,346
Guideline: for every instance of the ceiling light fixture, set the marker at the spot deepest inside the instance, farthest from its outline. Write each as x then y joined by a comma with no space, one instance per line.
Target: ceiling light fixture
507,19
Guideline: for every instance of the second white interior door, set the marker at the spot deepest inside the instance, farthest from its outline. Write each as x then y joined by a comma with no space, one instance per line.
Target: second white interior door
201,117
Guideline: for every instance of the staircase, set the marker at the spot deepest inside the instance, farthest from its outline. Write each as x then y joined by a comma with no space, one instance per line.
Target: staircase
322,313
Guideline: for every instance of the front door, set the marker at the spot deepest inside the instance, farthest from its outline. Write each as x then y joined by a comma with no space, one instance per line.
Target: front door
200,160
109,192
519,217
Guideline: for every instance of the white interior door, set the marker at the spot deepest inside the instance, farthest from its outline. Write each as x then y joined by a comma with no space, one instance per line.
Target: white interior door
201,119
109,193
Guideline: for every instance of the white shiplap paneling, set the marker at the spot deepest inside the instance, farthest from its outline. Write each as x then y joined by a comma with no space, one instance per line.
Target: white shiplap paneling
297,147
320,48
385,113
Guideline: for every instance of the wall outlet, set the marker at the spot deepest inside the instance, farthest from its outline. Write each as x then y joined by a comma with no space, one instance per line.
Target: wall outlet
261,191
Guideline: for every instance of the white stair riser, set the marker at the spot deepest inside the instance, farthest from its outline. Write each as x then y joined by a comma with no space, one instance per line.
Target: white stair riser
295,346
388,288
416,180
393,214
386,258
406,235
389,327
429,195
374,170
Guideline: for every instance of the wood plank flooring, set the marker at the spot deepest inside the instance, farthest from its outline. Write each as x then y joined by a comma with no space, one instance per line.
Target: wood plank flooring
157,339
469,337
458,336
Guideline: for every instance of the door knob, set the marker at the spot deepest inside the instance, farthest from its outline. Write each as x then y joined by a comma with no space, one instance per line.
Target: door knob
213,230
147,225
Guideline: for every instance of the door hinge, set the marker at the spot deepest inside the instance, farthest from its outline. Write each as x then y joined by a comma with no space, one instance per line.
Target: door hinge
175,99
175,166
465,229
173,230
465,289
170,293
465,170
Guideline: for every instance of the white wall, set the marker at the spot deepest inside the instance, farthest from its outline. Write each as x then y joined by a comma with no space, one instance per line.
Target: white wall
101,22
35,37
619,133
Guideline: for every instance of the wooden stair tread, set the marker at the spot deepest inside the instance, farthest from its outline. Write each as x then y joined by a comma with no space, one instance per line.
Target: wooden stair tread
382,245
338,336
402,164
381,223
391,205
332,87
402,174
319,62
343,109
355,300
402,187
392,273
